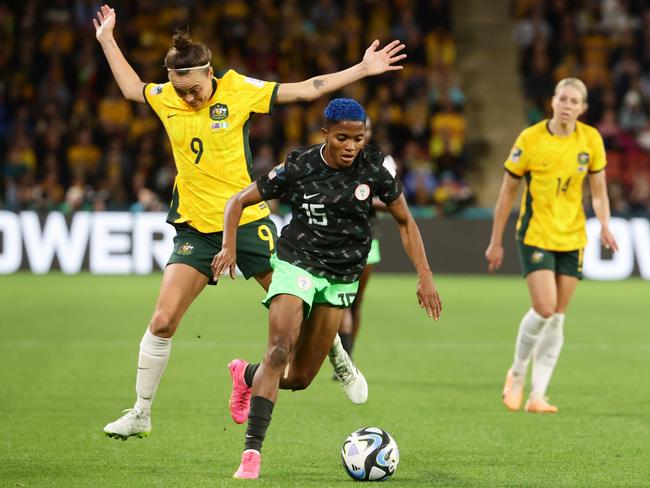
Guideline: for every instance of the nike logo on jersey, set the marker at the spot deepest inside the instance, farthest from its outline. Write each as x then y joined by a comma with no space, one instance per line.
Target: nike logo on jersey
171,115
307,197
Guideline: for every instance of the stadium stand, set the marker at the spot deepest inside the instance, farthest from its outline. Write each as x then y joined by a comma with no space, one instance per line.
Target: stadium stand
69,140
607,45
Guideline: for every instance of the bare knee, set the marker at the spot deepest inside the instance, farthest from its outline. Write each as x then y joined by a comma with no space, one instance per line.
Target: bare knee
545,309
163,324
277,356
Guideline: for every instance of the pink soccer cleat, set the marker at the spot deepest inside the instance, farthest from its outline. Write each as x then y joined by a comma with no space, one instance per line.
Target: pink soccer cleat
240,395
249,468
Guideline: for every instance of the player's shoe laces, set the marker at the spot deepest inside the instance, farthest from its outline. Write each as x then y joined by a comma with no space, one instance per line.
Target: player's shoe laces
353,382
539,404
240,395
513,391
134,423
249,468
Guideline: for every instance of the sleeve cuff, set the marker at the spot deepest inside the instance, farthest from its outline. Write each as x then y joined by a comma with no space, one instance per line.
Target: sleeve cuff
514,175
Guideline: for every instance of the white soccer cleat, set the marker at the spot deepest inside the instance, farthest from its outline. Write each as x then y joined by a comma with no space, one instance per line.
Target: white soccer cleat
353,382
134,423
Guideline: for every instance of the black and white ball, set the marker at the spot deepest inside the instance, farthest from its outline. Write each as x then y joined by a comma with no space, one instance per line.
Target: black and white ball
370,454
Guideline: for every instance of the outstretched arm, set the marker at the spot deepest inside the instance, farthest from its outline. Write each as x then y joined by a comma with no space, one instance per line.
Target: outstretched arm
600,204
127,79
227,257
494,252
428,297
374,62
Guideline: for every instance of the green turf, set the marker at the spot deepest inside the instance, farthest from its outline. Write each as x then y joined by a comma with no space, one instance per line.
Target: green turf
68,349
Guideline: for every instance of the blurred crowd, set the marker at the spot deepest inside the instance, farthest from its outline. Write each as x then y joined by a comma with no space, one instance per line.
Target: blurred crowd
606,43
69,140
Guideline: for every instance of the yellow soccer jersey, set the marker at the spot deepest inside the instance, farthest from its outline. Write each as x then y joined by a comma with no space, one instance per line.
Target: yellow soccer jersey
554,167
211,149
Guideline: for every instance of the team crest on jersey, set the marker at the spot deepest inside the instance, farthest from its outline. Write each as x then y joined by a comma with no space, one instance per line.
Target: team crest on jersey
583,158
278,170
537,257
218,111
185,249
516,155
156,90
304,282
362,192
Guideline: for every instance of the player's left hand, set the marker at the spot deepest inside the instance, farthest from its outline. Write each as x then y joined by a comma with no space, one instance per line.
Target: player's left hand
225,260
376,62
428,297
608,240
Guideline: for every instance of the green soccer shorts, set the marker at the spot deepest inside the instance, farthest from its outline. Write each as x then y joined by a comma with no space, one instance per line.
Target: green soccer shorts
374,256
255,243
313,290
560,262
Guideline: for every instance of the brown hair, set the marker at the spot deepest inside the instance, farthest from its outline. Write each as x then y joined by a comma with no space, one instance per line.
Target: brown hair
185,53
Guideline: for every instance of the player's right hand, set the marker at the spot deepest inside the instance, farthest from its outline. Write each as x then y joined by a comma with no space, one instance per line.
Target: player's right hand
494,256
104,23
225,260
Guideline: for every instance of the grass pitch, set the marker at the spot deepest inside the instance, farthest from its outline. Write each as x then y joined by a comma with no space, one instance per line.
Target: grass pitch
68,352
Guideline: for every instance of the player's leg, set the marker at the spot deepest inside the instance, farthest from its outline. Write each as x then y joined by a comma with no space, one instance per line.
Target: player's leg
313,345
285,317
538,267
180,285
255,243
549,347
351,320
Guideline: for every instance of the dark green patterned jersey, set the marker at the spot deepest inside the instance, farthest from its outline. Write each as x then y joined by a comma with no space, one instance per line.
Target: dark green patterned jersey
329,234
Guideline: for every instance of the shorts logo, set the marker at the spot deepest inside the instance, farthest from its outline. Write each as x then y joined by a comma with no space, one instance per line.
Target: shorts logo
583,158
185,249
362,192
537,257
218,111
304,282
516,155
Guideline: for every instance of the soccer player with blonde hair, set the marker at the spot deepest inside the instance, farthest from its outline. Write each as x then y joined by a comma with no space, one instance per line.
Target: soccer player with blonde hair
553,157
206,116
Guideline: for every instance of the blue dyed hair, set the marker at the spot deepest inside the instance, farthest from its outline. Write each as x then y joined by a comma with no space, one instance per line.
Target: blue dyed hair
341,109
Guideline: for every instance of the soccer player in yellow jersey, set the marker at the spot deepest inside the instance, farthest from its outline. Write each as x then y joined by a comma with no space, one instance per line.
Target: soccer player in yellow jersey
553,157
206,118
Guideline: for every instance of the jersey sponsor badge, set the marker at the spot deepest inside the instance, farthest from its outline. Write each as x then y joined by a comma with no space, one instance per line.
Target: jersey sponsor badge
185,249
254,81
218,111
362,191
583,158
515,156
278,170
304,282
219,125
156,90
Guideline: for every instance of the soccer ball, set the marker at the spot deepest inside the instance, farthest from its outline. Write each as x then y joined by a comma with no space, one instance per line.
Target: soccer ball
370,454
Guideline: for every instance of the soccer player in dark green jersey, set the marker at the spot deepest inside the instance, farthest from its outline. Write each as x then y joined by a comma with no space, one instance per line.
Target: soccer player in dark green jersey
319,256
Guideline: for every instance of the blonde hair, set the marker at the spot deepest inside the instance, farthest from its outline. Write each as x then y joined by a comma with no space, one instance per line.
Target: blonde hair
575,83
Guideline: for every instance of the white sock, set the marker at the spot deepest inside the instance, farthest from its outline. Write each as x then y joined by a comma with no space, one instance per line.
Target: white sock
336,348
154,353
547,353
529,331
